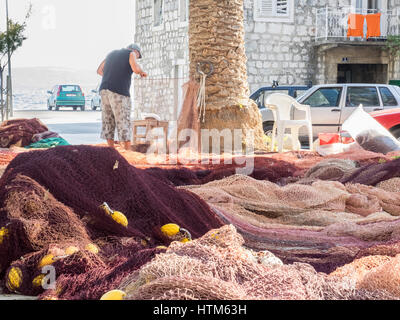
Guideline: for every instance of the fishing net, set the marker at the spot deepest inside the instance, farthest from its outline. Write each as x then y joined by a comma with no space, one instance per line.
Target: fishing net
218,267
331,169
19,132
262,169
189,116
52,198
44,135
375,197
385,276
373,273
391,185
391,248
288,203
321,224
48,143
372,174
6,156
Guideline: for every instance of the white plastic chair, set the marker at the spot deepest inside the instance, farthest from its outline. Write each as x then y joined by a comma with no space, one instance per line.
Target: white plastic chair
281,105
150,115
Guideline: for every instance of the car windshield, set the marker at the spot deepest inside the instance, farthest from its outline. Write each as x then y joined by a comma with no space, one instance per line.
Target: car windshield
70,88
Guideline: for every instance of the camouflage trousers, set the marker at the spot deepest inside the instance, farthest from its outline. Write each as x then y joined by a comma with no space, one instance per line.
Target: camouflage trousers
116,113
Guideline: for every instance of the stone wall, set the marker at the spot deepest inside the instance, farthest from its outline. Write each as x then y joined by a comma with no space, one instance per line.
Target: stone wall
165,58
282,51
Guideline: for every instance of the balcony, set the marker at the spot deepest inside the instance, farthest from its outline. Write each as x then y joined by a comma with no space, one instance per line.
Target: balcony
332,25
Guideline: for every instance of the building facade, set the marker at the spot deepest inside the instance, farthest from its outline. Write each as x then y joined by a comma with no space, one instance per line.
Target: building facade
293,42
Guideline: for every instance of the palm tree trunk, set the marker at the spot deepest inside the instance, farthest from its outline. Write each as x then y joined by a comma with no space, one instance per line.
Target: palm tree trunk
216,35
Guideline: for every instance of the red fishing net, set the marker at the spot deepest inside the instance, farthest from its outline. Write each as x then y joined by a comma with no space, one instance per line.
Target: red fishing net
374,173
19,132
52,198
259,168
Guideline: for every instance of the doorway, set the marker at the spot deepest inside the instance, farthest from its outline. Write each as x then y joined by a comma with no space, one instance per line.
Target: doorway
362,73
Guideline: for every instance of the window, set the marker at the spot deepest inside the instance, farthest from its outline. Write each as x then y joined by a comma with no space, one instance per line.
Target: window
324,97
387,97
70,89
183,12
298,93
158,14
367,96
274,10
373,4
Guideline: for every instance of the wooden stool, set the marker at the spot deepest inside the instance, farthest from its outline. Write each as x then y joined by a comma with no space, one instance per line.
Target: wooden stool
149,124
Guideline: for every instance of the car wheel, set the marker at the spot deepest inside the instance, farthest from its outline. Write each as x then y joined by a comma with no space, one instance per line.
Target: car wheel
75,108
82,108
49,107
57,108
396,133
93,106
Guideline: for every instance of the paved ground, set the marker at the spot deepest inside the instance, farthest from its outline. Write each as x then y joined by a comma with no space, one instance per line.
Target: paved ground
77,127
15,297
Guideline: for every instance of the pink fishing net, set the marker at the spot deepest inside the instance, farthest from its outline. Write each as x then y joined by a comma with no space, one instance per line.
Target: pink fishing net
216,266
373,273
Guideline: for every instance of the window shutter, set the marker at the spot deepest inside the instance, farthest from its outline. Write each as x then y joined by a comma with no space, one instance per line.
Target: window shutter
272,8
263,8
282,7
266,8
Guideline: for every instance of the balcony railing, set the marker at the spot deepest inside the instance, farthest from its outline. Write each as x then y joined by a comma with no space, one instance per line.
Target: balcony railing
333,23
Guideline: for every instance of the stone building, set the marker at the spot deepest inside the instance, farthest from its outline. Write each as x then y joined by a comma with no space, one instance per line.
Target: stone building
294,42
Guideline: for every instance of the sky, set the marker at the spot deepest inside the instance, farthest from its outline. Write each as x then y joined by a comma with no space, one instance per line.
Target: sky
75,34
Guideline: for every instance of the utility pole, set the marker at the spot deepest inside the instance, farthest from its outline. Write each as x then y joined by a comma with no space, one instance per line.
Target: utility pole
9,82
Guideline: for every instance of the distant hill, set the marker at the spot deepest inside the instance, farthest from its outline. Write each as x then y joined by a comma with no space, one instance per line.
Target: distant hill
46,77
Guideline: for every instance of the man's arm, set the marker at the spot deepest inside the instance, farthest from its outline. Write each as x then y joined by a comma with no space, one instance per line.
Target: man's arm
135,67
100,69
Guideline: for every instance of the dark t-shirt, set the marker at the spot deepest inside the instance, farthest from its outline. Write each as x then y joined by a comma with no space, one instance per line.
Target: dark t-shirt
117,74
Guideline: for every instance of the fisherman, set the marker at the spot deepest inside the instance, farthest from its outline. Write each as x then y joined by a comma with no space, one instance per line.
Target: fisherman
116,71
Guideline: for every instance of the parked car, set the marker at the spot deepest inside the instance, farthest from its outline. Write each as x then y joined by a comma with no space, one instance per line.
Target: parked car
332,104
294,91
95,102
390,119
66,96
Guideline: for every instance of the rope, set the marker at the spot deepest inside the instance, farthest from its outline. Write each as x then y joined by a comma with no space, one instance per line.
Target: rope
201,97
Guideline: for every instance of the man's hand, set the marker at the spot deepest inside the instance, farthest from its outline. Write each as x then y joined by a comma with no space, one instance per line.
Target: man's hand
100,69
143,74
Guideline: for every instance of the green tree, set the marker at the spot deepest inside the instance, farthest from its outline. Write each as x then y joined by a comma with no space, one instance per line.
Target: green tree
393,45
10,41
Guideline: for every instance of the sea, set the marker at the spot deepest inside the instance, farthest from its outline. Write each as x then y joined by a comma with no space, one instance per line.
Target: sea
36,99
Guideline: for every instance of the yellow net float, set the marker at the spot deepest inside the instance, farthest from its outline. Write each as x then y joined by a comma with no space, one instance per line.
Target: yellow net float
46,260
71,250
3,234
14,278
170,229
117,216
173,231
37,282
114,295
91,247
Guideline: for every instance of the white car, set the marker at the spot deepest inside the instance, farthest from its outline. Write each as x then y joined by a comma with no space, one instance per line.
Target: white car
332,104
95,102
